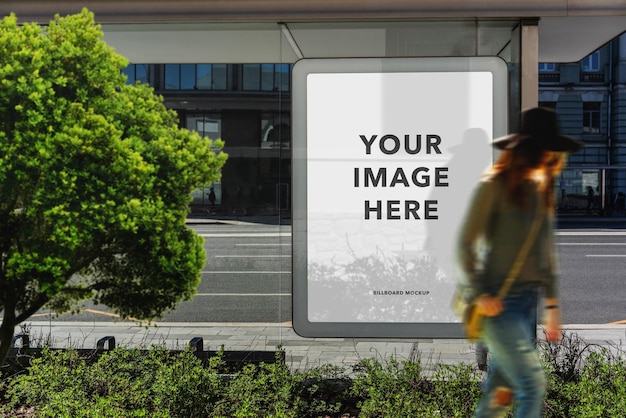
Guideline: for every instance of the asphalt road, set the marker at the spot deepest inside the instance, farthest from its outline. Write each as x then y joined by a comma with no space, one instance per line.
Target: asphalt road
247,276
593,276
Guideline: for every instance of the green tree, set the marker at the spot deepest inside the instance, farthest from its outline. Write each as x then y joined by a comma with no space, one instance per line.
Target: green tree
95,180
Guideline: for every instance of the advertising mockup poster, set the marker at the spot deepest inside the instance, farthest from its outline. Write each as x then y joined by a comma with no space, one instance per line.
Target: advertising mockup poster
386,155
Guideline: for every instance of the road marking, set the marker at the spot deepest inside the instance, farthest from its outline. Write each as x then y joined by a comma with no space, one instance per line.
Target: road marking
243,294
605,255
618,322
254,256
247,235
592,243
590,233
246,272
262,245
112,315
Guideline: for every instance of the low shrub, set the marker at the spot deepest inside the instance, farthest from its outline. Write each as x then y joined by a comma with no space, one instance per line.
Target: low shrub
122,382
596,390
401,388
584,381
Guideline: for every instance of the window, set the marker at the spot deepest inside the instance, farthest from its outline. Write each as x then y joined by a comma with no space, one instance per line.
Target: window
275,131
266,77
204,76
591,118
172,77
207,125
283,77
196,76
592,62
546,67
187,77
137,73
220,76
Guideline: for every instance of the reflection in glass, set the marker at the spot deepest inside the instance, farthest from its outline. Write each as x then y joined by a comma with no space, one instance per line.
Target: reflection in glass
204,76
220,77
172,77
187,76
251,77
137,73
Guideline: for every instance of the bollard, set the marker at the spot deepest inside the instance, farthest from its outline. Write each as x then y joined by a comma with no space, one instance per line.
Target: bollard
196,344
481,356
108,339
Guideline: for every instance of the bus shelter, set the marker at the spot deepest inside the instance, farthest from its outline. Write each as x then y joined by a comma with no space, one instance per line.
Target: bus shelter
460,50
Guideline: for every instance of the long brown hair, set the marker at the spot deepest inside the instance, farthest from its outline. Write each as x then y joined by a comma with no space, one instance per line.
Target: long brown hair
521,164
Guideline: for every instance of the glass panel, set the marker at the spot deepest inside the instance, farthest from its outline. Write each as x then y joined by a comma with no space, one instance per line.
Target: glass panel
592,62
590,191
129,72
220,77
251,77
577,190
204,75
187,77
206,126
267,77
591,117
263,172
401,39
142,73
275,131
283,79
172,76
545,66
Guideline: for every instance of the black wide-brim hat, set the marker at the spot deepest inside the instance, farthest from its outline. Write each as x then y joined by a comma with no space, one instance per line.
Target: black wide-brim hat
540,129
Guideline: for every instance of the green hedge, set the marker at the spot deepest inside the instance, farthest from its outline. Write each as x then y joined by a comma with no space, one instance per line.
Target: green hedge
584,381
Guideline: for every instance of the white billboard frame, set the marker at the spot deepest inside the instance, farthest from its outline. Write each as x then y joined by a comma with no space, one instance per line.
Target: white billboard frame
317,88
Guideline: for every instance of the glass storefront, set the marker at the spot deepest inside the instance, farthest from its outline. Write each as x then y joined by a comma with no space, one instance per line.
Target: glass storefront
245,105
588,190
248,105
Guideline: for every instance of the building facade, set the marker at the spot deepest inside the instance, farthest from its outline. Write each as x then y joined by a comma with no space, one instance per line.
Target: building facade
590,99
249,107
224,65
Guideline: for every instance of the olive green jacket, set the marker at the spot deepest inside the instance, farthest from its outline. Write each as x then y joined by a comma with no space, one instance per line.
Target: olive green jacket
491,236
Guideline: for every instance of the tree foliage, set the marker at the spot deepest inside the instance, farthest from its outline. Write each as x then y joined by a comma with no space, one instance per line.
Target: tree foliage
95,179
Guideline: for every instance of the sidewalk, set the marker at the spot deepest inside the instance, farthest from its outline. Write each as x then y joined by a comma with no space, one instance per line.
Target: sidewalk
301,353
569,221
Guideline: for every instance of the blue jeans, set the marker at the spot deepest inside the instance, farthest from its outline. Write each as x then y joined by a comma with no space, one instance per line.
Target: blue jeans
514,363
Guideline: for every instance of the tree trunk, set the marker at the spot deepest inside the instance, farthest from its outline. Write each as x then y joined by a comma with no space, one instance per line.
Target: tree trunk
7,329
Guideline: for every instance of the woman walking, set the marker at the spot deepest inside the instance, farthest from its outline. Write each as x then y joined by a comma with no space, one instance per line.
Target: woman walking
517,193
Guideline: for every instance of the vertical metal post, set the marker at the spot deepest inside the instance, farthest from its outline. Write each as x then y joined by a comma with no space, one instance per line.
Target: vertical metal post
529,61
529,74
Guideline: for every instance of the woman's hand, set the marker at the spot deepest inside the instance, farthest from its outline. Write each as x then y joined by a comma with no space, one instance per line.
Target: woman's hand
553,325
490,305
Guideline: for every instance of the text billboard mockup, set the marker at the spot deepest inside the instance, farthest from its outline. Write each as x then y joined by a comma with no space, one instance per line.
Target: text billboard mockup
386,153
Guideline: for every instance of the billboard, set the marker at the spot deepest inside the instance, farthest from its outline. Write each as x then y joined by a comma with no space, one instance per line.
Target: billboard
386,153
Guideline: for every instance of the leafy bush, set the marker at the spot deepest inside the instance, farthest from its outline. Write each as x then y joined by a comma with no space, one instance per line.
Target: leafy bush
584,381
122,382
159,383
598,389
401,388
456,389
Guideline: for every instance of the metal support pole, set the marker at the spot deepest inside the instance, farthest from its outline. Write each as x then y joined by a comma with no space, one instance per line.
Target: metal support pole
529,60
